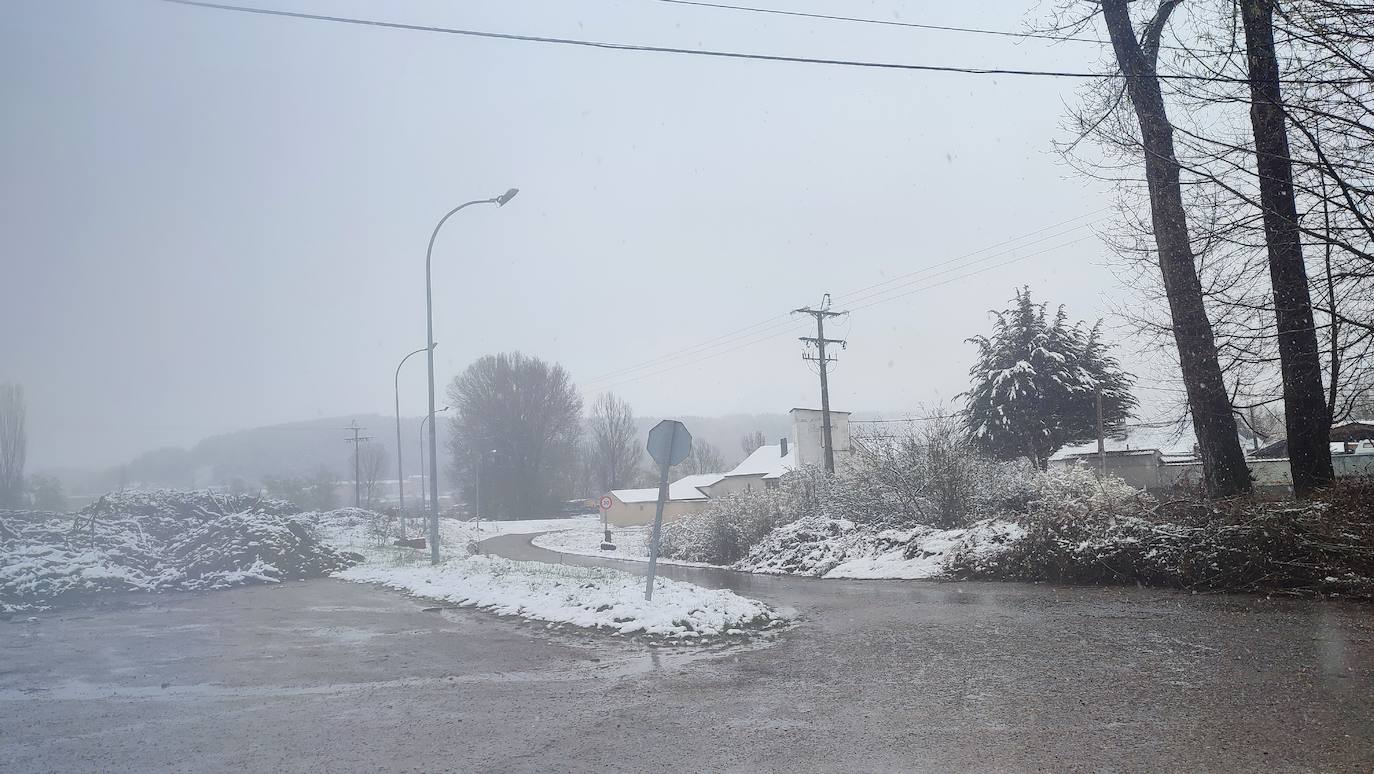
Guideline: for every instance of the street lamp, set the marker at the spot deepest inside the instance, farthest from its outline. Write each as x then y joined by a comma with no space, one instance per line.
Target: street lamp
400,471
499,201
423,420
477,506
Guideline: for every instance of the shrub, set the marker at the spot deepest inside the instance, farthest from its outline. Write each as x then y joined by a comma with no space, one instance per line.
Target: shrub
727,528
929,474
1325,545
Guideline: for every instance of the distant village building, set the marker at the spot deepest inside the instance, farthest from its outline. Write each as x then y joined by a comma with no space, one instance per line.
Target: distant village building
759,471
1162,459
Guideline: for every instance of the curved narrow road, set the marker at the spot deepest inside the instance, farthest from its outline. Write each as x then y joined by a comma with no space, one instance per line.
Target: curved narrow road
1013,676
332,676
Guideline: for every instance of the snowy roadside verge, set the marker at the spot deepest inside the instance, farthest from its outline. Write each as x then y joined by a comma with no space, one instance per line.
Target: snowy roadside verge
595,598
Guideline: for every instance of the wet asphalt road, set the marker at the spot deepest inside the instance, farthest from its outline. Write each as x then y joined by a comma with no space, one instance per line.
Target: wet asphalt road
879,676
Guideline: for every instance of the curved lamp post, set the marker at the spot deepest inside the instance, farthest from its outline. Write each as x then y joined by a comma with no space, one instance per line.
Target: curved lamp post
499,201
423,420
400,471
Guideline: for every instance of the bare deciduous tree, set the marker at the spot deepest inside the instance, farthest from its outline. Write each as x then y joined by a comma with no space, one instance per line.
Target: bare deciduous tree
751,442
527,411
613,452
1299,72
372,464
704,458
13,445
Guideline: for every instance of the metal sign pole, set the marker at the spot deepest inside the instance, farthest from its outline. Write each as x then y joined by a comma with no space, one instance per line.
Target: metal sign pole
658,516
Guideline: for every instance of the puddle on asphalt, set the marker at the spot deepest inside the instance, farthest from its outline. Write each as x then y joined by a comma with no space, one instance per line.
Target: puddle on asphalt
647,660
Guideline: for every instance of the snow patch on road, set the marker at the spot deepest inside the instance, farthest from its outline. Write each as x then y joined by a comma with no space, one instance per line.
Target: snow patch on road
595,598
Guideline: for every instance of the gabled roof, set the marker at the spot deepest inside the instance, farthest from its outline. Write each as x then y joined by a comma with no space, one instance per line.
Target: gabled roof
766,461
685,488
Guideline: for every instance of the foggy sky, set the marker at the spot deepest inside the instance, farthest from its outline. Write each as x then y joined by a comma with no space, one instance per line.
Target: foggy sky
213,221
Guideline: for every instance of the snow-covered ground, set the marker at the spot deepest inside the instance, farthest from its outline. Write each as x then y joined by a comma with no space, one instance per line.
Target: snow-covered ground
581,596
585,539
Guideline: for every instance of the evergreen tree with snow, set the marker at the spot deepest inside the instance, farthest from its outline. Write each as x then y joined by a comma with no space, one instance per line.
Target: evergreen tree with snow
1035,384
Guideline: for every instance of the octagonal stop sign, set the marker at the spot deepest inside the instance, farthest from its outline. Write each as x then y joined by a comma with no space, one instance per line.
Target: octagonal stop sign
669,443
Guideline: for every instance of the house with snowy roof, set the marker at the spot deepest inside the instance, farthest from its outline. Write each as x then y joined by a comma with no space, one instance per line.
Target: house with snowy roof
762,469
1165,457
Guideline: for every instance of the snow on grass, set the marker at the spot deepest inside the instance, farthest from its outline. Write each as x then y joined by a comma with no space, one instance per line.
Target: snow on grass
920,554
631,543
582,596
839,548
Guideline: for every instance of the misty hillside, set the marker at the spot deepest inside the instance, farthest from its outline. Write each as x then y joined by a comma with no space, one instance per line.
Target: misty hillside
301,448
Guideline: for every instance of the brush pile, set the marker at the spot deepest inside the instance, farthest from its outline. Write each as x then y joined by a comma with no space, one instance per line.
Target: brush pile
158,541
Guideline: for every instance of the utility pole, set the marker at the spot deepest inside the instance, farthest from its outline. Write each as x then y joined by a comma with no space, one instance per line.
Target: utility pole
824,362
356,440
1101,440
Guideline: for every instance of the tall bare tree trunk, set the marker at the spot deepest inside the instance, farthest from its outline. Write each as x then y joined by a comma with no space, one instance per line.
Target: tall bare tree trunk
1223,463
1305,411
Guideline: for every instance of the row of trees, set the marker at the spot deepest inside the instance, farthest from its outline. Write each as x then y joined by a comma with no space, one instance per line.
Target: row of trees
1258,181
520,441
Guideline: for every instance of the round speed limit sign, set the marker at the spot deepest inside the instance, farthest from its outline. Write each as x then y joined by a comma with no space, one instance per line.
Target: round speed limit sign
605,502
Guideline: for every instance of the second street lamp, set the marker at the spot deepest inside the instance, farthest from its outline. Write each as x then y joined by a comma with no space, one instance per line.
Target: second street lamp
400,471
423,420
499,201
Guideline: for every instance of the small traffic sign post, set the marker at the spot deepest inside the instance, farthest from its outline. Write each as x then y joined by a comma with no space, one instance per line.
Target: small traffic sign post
669,444
606,503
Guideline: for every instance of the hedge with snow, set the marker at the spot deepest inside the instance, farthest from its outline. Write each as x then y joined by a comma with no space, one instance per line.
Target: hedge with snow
925,505
158,541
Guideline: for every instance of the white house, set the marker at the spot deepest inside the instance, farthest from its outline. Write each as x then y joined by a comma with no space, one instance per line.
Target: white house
759,471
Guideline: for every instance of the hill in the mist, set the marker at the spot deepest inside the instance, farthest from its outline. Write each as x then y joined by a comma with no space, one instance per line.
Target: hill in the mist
301,448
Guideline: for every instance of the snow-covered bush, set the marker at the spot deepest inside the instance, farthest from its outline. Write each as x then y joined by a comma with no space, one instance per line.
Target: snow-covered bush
927,473
1245,544
158,541
728,527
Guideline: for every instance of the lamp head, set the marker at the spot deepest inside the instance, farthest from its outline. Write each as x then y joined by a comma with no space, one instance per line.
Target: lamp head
507,196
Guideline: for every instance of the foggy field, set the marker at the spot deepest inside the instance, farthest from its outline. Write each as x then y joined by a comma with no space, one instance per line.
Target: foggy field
659,386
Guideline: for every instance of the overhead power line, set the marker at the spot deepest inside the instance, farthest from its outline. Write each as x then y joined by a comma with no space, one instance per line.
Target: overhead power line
852,63
770,329
686,361
886,22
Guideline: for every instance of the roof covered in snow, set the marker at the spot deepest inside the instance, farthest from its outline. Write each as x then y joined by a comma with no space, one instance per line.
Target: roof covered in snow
685,488
766,461
1171,441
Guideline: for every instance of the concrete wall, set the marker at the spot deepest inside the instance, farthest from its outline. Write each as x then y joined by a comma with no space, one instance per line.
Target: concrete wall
1149,472
639,514
807,435
734,484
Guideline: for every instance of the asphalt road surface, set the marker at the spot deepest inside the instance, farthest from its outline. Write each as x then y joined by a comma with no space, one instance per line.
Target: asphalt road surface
879,676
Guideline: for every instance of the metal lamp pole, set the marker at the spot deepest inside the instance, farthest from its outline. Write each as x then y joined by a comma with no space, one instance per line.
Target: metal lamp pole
423,420
499,201
400,471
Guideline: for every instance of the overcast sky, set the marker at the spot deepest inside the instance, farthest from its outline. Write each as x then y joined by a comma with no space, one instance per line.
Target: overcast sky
213,221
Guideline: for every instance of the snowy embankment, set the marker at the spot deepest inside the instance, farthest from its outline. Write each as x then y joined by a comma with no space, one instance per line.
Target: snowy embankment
826,548
582,596
159,541
837,548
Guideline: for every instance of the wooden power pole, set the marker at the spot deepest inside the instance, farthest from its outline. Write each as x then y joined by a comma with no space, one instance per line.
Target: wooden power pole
356,440
824,362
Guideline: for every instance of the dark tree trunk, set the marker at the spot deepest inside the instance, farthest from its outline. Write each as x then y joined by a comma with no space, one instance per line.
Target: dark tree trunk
1223,463
1305,413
